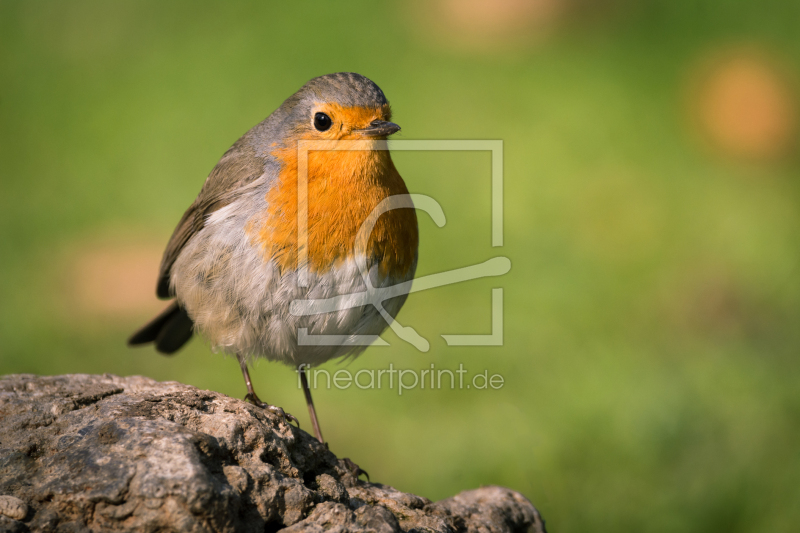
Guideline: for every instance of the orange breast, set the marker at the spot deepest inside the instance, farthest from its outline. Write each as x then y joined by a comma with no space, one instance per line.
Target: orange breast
343,189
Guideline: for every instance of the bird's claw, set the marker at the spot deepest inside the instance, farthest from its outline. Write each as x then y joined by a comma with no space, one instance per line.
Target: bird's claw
283,414
272,408
354,468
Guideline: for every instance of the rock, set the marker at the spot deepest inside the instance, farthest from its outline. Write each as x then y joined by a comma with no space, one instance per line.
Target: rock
13,507
105,453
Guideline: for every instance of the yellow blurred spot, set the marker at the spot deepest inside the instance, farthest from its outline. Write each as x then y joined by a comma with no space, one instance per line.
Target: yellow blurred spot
482,25
115,279
746,106
496,18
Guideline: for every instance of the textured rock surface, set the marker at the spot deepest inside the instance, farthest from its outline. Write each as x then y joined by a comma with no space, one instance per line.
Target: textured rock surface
104,453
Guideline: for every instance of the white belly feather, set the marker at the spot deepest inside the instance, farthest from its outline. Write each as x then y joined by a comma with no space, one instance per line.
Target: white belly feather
240,303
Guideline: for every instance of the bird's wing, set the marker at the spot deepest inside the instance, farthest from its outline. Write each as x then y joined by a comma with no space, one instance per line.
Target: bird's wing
239,167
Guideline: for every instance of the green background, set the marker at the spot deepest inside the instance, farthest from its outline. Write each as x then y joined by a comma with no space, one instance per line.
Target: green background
652,310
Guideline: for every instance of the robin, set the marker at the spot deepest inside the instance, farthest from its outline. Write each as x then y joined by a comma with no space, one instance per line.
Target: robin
231,266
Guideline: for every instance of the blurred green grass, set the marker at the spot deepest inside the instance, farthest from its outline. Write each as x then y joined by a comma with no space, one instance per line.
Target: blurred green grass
651,339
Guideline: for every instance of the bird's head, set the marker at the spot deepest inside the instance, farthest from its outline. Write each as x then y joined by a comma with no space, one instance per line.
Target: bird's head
338,106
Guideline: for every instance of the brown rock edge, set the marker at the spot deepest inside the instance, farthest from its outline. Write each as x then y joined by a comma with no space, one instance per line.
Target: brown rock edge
105,453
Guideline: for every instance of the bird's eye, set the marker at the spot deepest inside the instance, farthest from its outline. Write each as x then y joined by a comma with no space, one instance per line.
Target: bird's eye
322,122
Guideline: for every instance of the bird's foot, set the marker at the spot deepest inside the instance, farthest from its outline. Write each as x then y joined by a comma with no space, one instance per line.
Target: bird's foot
252,398
354,468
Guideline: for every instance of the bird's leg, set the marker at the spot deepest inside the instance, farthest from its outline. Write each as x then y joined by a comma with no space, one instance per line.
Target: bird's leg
349,465
253,398
310,403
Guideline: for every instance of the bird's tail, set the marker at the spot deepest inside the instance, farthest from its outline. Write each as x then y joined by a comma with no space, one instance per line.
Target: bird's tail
169,330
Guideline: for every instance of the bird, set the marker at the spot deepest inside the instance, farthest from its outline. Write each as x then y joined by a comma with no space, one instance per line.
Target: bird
231,267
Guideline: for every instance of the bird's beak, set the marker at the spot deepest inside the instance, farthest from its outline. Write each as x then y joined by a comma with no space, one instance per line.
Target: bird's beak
379,128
